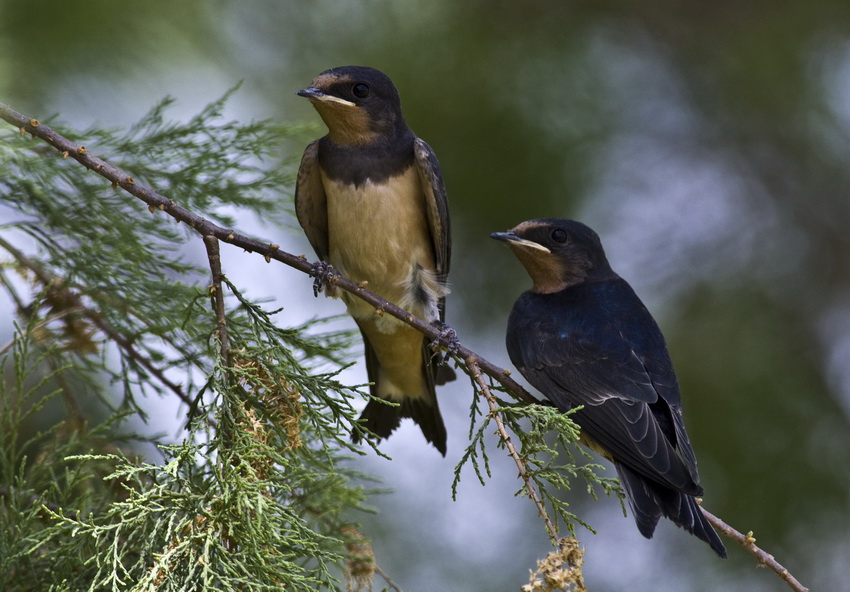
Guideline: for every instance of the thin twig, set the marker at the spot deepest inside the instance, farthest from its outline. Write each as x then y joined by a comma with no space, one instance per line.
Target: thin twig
472,365
748,542
386,578
37,327
214,256
53,282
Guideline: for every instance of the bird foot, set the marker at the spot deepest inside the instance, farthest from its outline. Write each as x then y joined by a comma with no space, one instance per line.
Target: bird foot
323,274
447,340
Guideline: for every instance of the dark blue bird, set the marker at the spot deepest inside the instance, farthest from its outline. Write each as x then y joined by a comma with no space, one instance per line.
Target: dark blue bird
582,337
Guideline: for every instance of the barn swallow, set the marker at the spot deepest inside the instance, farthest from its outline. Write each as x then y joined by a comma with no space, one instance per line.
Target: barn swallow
371,199
583,338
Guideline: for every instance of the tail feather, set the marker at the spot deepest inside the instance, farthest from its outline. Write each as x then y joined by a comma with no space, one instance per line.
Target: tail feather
382,420
649,501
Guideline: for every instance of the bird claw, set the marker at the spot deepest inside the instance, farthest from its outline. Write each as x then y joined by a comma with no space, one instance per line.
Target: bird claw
446,339
323,274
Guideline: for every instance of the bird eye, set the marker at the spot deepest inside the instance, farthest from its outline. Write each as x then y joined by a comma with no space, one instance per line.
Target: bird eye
559,236
360,90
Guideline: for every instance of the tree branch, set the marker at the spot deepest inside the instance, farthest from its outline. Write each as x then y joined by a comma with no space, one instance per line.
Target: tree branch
748,542
387,578
472,364
214,256
52,282
206,228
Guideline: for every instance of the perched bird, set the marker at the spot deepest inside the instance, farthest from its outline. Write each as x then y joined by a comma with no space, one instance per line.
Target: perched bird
371,199
582,337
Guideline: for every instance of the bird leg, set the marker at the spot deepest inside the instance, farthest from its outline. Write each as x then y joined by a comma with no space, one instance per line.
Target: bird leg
323,274
446,339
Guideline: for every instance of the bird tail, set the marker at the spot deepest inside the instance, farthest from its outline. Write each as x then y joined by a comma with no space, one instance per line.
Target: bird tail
382,419
650,501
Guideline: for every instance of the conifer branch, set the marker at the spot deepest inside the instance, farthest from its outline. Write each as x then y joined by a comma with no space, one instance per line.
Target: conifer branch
74,303
214,256
390,583
208,230
204,227
472,365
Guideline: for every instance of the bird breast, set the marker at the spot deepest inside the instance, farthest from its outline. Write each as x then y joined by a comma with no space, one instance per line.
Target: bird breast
379,233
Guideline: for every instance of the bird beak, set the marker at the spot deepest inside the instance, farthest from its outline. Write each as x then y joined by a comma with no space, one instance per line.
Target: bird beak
512,239
314,94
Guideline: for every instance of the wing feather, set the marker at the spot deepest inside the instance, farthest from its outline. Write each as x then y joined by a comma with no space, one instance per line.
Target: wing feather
602,361
436,205
311,204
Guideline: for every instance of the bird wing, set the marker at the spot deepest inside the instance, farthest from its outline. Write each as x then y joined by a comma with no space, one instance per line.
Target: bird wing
436,205
619,370
311,205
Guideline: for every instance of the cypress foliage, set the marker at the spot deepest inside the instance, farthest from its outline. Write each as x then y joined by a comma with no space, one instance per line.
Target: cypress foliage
252,497
110,310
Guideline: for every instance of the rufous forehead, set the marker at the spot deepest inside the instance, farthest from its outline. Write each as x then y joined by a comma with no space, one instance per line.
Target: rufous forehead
527,226
327,79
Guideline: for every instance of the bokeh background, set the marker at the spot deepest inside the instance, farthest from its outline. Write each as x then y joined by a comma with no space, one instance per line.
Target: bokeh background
707,143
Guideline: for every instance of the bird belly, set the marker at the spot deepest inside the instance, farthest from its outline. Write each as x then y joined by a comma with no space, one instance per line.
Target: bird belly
400,357
379,234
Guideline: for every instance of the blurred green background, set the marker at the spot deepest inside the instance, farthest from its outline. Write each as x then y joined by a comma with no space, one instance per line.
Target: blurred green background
707,143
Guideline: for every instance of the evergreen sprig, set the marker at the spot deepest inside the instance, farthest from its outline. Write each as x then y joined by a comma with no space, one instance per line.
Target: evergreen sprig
253,496
547,452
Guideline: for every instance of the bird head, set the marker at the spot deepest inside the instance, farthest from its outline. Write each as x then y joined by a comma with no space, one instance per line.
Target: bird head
557,253
357,103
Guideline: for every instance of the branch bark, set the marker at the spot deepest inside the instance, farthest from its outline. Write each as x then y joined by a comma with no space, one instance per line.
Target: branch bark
748,542
214,257
204,227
